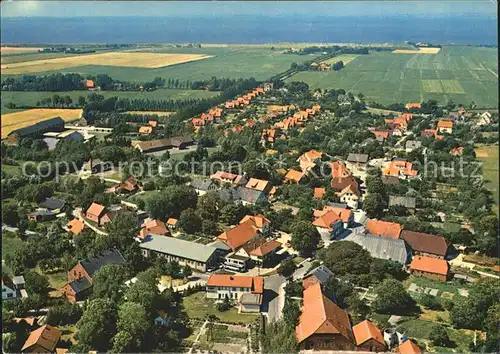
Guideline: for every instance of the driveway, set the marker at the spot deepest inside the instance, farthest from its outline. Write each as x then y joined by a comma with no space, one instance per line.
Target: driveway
274,296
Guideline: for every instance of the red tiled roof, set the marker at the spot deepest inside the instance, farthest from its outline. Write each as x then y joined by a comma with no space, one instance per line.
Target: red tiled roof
408,347
319,193
259,220
95,209
344,214
265,248
76,226
321,315
384,228
445,124
45,337
294,176
366,330
430,265
239,235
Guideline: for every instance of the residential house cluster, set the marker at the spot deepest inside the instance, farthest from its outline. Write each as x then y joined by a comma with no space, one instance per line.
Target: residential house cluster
400,168
244,100
148,128
298,119
325,326
394,127
246,291
247,243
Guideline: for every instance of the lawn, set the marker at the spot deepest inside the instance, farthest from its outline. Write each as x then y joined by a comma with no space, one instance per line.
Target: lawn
231,62
9,243
22,98
198,306
490,169
458,73
11,170
449,286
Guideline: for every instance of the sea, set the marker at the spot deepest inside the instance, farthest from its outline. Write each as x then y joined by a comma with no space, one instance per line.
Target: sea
467,29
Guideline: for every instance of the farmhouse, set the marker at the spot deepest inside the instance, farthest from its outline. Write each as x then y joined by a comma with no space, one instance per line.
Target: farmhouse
153,227
246,290
322,324
357,164
309,160
76,226
197,256
408,347
429,267
179,142
203,186
13,288
409,106
130,185
81,275
95,213
350,195
382,247
293,176
399,167
52,138
445,126
228,178
96,166
37,129
425,244
319,193
42,340
41,215
368,337
259,185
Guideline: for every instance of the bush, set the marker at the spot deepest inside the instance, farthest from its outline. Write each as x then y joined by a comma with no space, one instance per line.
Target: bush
439,336
430,302
224,305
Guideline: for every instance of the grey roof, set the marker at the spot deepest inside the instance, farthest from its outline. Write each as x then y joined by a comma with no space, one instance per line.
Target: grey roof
52,203
203,184
42,213
51,142
322,273
218,244
363,158
413,144
390,180
407,202
381,247
180,248
251,299
80,285
228,194
93,264
249,195
40,127
338,205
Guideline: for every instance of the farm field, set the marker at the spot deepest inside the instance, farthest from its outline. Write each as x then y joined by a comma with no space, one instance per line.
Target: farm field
346,58
123,59
458,73
30,98
22,119
26,57
488,155
17,50
228,62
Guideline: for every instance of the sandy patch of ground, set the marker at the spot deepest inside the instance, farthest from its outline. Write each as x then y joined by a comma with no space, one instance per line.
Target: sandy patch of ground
417,51
126,59
16,120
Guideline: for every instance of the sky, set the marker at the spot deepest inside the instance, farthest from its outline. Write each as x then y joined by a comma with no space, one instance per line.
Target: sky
16,8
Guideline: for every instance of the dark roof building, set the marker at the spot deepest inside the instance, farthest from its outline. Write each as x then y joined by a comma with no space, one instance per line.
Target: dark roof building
53,124
204,185
426,244
179,142
53,204
407,202
93,264
357,158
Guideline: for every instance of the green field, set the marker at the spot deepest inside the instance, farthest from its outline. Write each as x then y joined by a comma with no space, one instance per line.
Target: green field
490,169
231,62
30,98
461,74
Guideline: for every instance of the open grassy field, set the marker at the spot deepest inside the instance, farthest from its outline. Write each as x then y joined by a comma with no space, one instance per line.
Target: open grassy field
30,98
228,62
488,155
123,59
458,73
23,119
25,57
345,58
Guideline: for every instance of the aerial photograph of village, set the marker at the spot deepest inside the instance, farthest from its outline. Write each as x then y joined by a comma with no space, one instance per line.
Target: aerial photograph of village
250,177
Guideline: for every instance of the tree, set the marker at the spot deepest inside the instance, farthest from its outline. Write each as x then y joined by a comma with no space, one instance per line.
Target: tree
279,337
339,290
36,283
291,312
287,267
439,336
133,320
122,230
97,325
9,214
108,282
305,237
143,293
392,298
82,101
232,213
358,307
430,302
383,268
122,342
187,271
346,258
64,314
190,222
208,206
224,305
374,205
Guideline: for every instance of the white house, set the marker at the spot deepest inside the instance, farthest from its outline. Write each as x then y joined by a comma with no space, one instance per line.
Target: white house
246,291
13,288
162,319
484,118
350,195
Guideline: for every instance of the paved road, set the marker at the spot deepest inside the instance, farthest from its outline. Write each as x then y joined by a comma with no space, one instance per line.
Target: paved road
302,270
274,296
